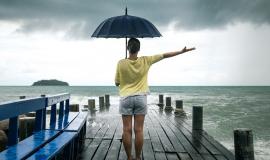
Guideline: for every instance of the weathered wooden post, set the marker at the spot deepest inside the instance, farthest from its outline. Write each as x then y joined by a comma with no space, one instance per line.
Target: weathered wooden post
74,107
197,118
101,102
160,100
26,125
178,106
168,106
91,104
22,97
107,100
3,140
243,144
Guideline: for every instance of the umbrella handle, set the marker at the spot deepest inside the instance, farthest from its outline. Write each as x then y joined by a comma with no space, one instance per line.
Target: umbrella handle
126,47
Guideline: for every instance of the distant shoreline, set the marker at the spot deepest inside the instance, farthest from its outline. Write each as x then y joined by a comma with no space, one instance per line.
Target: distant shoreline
51,82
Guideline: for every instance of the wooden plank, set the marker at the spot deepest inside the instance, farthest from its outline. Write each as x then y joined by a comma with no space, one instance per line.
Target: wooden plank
148,152
195,142
92,131
50,150
160,156
101,132
220,147
228,154
112,128
174,140
196,156
91,149
57,98
157,146
28,145
172,156
114,150
184,156
163,138
122,153
187,145
78,122
86,143
146,128
102,150
197,135
18,107
208,157
220,157
119,131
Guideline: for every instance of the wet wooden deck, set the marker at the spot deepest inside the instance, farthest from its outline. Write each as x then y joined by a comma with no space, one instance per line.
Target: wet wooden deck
165,137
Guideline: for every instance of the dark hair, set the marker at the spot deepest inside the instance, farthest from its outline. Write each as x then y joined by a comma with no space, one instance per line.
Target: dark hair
133,45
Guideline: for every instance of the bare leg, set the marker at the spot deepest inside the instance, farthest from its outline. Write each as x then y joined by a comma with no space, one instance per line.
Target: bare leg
138,129
127,134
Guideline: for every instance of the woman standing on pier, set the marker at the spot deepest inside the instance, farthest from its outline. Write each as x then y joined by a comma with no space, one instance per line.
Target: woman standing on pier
131,77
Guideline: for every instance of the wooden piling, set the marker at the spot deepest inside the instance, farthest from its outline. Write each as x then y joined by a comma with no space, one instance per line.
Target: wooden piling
197,118
91,104
107,100
101,102
178,106
160,100
74,107
22,97
168,106
3,140
26,127
243,144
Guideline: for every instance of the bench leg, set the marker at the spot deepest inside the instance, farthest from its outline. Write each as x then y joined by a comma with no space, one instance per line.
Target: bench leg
68,151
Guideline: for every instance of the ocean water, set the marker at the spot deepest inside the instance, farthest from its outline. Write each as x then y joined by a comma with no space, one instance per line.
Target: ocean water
225,108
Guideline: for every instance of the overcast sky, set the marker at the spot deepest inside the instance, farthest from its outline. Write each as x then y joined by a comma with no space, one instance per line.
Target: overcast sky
52,40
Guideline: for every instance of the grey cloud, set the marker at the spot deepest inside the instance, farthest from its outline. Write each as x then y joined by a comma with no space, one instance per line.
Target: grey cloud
79,18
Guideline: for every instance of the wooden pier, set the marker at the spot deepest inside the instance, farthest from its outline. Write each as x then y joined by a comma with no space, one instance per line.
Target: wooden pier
166,136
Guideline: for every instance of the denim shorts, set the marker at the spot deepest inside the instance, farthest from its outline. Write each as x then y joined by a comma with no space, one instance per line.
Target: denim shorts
132,105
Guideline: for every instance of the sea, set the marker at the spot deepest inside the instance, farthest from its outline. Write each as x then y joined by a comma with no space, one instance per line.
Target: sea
225,108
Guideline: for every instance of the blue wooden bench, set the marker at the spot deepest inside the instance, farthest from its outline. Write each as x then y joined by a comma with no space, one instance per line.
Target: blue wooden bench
28,145
65,142
72,137
46,135
78,126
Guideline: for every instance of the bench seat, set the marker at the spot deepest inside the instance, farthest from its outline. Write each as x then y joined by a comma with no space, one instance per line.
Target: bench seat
62,123
77,123
28,145
51,149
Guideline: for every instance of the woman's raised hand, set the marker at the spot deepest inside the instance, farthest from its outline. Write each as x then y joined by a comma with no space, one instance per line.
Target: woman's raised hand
185,49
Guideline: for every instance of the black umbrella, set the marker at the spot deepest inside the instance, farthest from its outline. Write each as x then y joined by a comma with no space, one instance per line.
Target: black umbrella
126,26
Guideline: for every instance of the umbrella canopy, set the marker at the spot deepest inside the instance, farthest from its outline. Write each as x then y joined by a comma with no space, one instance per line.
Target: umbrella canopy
126,26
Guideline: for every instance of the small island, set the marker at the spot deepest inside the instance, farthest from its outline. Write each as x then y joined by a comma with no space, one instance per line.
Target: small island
51,82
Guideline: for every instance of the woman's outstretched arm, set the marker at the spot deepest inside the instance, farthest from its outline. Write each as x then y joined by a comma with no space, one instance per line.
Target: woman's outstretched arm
172,54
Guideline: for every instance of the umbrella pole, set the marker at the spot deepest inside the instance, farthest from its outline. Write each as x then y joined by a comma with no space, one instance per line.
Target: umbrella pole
126,47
